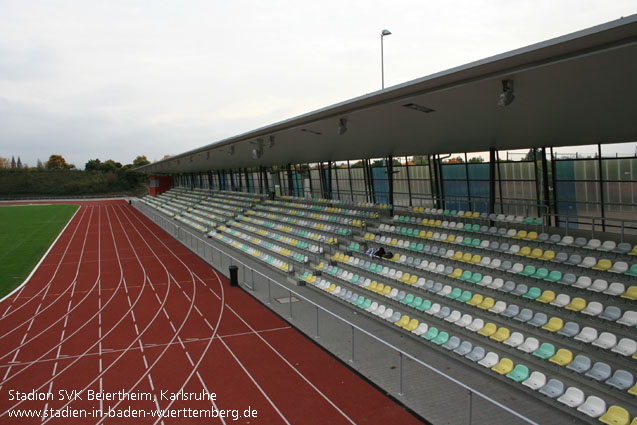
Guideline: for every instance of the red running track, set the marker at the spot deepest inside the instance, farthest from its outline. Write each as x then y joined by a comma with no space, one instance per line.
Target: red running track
120,307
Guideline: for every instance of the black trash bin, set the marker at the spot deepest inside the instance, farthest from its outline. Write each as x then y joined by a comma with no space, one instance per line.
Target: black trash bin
234,275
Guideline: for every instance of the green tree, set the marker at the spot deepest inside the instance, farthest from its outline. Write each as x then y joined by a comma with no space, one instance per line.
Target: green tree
93,165
140,161
478,159
57,162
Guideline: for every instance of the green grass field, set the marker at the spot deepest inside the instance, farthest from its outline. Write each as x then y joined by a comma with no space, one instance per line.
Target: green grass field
26,232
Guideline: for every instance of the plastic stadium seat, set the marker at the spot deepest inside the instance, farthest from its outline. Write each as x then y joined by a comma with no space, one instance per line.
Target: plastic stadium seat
583,282
619,267
593,407
464,348
498,284
617,289
599,372
593,309
430,334
574,260
533,293
475,300
539,319
599,285
514,340
476,354
498,307
580,364
562,358
572,397
452,343
488,329
588,262
444,312
632,391
603,264
502,334
606,340
519,373
548,255
503,367
475,325
569,330
453,317
568,279
553,388
520,289
435,308
611,313
486,303
421,329
580,242
593,244
512,310
490,360
529,345
547,296
587,334
621,379
615,415
464,321
576,304
629,318
561,257
566,241
535,381
631,292
554,324
561,300
545,351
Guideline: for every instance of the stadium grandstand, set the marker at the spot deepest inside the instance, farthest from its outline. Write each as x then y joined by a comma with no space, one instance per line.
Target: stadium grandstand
466,241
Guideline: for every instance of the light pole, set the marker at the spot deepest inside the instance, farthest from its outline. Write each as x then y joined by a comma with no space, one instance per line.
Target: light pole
382,60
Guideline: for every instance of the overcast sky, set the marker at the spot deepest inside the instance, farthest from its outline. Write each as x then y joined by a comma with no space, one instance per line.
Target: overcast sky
115,79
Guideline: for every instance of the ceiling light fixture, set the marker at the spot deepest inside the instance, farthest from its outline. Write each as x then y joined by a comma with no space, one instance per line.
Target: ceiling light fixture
316,133
342,126
419,108
506,97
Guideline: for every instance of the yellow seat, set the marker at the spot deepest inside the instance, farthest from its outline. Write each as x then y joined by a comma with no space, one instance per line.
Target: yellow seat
633,251
387,290
450,238
615,415
562,357
525,251
393,242
404,278
488,329
413,324
430,234
395,257
466,257
379,288
422,234
633,390
372,286
548,255
546,297
320,266
475,214
475,300
503,367
604,264
501,334
476,259
531,236
520,235
457,256
331,288
486,303
412,280
631,293
554,324
432,222
456,274
468,214
438,223
403,321
576,304
536,253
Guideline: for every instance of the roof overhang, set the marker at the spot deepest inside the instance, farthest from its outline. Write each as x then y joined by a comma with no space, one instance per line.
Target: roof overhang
573,90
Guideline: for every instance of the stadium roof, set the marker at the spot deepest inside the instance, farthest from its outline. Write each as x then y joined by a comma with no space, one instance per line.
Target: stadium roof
572,90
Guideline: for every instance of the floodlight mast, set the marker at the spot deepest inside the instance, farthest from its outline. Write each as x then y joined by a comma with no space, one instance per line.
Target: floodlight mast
382,59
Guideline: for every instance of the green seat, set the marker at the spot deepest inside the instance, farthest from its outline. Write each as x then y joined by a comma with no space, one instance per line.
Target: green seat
354,279
466,275
466,296
359,302
527,221
366,304
475,228
545,351
537,221
455,293
416,302
446,212
528,271
410,232
475,242
542,273
533,293
477,277
426,305
632,271
466,242
403,231
554,276
372,268
467,227
453,213
519,373
304,276
413,246
408,299
420,247
431,333
441,338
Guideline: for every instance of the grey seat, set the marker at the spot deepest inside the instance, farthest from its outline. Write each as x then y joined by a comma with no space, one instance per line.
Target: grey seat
553,388
452,343
505,266
542,237
493,230
434,250
476,354
502,231
611,313
599,372
555,238
621,379
442,252
410,261
623,248
574,259
569,330
568,279
444,312
508,286
580,242
417,262
401,295
437,287
520,290
538,320
429,284
494,245
484,228
580,364
560,257
504,247
464,348
427,249
512,310
448,270
525,315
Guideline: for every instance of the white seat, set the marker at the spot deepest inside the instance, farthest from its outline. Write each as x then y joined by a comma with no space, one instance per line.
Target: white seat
606,340
572,397
517,268
593,309
393,293
583,282
446,290
476,325
566,241
498,307
587,334
561,300
607,246
464,321
421,329
497,283
485,262
615,289
486,280
625,347
380,310
495,263
435,308
514,340
619,267
490,360
514,249
454,316
629,318
535,381
372,307
588,262
389,312
593,244
599,285
529,345
593,407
